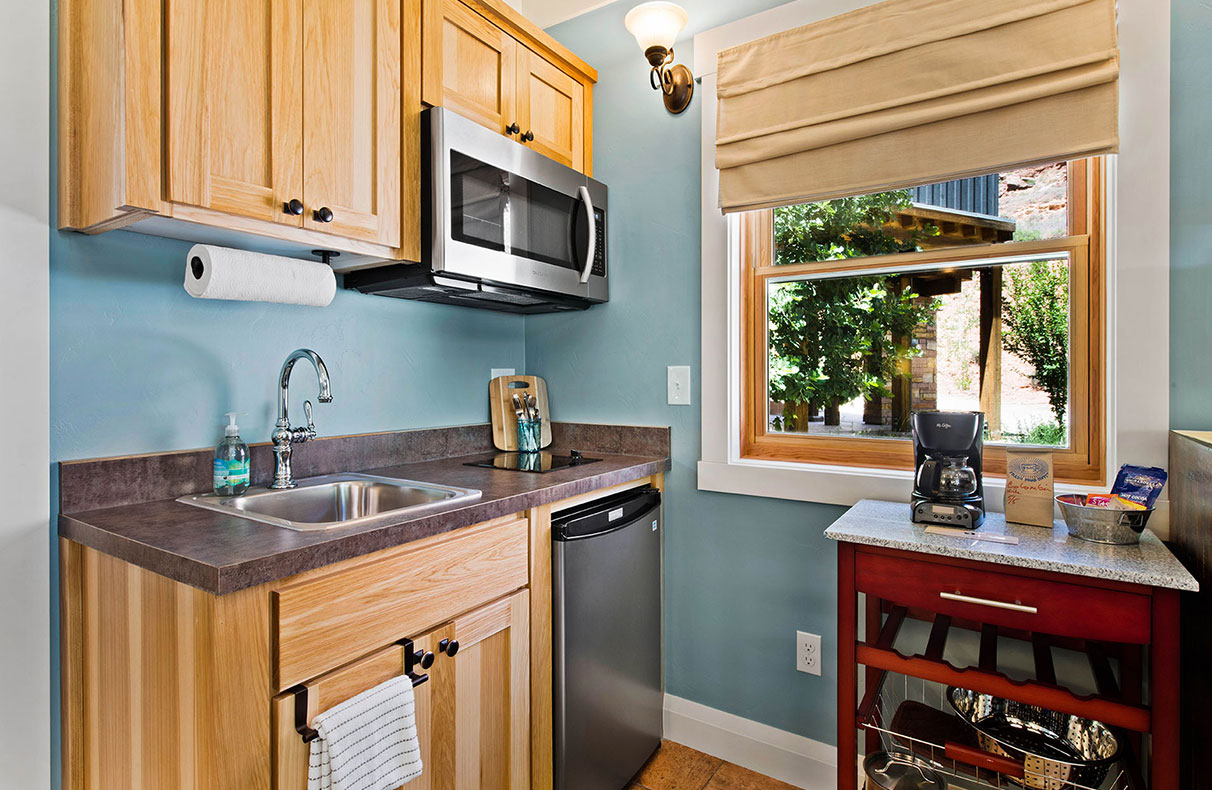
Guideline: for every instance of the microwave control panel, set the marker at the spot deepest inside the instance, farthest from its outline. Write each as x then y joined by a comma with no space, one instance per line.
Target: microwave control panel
599,250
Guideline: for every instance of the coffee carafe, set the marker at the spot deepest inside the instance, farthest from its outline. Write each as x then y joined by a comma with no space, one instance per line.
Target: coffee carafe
947,449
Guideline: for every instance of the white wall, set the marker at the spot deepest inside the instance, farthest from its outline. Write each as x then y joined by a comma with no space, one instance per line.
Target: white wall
24,396
546,13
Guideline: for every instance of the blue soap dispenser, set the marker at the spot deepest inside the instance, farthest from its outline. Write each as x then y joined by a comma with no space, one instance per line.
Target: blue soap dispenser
231,461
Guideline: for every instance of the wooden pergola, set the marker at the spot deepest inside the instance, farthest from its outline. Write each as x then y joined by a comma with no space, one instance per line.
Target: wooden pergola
955,229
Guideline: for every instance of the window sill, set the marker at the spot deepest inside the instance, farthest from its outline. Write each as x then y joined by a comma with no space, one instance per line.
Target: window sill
846,485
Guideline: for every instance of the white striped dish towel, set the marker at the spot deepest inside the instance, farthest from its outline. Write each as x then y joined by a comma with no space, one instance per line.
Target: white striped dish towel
368,742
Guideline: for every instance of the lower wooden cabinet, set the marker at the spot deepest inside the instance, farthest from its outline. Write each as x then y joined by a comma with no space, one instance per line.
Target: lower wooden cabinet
473,711
167,686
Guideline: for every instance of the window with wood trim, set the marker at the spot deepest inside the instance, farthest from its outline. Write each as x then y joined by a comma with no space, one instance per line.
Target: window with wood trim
980,294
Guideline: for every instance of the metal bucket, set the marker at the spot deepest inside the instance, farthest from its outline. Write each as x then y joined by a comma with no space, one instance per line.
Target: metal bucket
1099,524
1058,750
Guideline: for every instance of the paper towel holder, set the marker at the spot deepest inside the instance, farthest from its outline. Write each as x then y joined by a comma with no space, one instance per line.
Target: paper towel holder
326,256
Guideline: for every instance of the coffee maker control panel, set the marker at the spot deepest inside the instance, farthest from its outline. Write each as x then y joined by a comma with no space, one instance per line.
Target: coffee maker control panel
947,515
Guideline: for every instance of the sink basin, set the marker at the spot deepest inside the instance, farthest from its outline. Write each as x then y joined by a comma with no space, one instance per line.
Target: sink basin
343,500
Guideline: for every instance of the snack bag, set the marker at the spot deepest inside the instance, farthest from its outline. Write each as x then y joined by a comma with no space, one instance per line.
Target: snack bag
1112,502
1139,484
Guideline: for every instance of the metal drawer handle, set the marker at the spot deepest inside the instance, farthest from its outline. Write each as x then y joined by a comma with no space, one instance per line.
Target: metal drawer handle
1014,607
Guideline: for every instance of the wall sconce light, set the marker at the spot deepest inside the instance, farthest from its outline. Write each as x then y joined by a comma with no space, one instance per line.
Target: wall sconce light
656,26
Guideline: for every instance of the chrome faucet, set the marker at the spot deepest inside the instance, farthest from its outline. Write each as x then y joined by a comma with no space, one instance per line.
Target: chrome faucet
284,436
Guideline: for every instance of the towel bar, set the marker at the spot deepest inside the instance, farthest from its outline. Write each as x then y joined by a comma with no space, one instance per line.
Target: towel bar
412,659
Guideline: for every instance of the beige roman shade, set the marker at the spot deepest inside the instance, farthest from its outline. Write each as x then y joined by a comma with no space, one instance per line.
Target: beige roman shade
906,92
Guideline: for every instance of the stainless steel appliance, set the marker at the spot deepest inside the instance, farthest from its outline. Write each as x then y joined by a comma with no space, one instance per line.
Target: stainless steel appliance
505,227
947,487
606,613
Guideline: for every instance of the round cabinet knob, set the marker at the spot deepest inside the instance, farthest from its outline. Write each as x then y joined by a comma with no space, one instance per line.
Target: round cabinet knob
513,128
295,207
424,658
526,138
322,214
449,647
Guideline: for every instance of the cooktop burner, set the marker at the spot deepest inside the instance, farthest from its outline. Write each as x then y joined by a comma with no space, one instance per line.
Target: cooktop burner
539,462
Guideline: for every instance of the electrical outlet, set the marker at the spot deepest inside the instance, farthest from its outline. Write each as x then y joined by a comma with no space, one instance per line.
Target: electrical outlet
498,372
808,653
679,385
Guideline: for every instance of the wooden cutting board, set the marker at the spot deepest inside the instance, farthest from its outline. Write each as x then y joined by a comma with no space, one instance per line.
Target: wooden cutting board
504,417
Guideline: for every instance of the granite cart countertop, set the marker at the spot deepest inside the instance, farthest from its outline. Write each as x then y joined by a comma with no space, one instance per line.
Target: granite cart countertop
220,553
887,524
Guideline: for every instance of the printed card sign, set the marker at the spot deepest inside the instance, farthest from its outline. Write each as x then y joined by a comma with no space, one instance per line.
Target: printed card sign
1029,487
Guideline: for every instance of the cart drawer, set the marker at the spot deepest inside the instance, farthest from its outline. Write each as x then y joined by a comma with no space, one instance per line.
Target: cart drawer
1006,599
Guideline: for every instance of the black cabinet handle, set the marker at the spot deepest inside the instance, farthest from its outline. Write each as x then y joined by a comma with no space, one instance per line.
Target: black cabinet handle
295,206
424,658
513,128
322,214
526,138
449,647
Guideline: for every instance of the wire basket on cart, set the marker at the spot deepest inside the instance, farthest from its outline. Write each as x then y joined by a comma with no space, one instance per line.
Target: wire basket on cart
912,716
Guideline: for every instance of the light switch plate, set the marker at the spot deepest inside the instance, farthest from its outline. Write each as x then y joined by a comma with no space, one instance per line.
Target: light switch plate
498,372
679,385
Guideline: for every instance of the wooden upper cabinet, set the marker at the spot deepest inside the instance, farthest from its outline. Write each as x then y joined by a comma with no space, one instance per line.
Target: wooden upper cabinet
214,115
234,111
281,100
551,107
217,114
484,61
478,67
350,76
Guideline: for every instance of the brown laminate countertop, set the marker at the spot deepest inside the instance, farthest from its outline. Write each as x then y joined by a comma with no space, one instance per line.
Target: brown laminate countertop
221,554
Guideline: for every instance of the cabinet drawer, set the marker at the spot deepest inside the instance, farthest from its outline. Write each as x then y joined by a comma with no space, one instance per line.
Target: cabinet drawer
324,622
1006,599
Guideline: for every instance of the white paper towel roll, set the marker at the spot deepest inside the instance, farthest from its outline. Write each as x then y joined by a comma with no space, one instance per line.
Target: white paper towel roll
221,273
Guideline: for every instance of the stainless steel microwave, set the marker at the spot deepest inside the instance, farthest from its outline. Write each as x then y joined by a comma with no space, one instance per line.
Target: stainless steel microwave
506,228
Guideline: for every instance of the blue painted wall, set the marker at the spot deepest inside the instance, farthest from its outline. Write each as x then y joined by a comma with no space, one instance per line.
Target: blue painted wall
139,365
742,574
1190,215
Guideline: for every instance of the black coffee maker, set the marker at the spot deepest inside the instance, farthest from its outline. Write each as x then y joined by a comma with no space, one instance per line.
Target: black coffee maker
947,486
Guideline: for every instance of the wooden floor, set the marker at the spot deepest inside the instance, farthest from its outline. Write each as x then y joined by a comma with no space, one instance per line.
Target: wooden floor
678,767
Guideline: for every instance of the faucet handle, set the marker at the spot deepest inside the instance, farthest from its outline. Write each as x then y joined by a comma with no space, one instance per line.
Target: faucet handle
311,426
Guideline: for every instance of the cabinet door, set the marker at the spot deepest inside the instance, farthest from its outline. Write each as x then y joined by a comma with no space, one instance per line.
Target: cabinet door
434,714
551,106
478,67
492,697
234,107
351,118
473,714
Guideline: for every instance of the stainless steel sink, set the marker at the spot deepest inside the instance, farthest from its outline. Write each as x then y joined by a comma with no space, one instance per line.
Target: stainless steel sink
343,500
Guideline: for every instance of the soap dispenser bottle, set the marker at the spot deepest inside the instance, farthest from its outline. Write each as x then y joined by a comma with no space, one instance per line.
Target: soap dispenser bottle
231,461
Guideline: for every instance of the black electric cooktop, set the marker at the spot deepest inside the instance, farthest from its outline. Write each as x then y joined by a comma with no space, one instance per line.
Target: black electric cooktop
539,462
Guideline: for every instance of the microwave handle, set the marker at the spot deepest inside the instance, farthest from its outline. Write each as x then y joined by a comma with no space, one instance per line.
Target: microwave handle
583,191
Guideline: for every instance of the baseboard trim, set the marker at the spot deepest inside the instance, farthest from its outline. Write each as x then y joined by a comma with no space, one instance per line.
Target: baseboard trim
759,747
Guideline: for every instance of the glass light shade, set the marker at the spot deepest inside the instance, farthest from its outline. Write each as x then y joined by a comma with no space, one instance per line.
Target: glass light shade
655,24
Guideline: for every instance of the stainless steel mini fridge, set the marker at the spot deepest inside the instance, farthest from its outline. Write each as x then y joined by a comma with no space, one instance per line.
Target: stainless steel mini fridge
606,613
